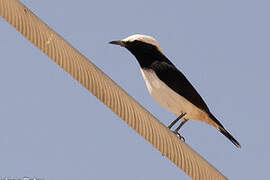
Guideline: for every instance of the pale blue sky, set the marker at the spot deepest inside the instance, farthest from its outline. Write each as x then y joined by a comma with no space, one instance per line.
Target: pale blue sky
52,128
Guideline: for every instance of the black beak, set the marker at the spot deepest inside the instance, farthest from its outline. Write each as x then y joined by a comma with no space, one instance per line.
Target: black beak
121,43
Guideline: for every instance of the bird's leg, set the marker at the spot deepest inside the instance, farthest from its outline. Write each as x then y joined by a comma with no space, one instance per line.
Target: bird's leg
177,119
178,128
180,125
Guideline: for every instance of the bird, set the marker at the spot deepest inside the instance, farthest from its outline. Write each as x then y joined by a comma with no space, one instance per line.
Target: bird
169,86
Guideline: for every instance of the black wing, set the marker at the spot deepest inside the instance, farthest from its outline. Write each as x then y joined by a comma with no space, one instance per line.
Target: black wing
173,78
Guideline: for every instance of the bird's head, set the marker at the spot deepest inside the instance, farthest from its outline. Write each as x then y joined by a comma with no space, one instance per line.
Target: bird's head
144,48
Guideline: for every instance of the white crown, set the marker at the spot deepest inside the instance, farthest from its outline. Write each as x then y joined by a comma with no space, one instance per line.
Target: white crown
143,38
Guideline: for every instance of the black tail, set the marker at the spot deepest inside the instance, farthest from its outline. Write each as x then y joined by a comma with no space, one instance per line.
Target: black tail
224,131
229,136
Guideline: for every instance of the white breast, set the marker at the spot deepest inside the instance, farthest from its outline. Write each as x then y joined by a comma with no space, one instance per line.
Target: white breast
151,80
168,98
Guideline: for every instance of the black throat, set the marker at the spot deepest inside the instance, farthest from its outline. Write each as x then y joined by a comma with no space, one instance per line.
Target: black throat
146,54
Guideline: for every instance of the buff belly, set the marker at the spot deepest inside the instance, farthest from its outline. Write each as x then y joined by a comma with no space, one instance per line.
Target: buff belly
169,99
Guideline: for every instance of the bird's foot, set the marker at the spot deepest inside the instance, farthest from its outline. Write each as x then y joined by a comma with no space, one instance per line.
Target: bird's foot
179,136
